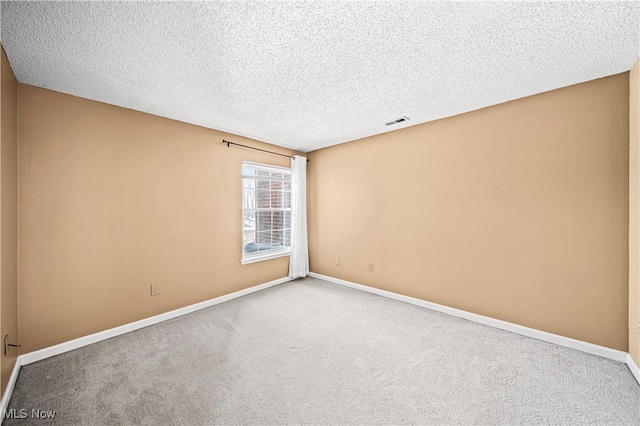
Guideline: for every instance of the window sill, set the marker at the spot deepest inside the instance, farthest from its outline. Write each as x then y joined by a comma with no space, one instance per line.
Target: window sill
270,256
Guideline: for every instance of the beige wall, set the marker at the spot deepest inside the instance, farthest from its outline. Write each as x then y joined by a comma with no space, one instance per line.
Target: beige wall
634,213
112,200
8,218
517,211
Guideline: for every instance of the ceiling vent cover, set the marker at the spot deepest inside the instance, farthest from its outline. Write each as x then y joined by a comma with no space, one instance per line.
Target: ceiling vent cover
399,120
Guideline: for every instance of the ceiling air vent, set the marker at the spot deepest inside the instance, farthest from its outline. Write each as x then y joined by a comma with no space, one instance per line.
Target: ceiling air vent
399,120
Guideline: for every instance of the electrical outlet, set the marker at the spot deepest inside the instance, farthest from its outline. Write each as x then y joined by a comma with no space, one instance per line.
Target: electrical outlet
155,289
639,329
371,267
337,261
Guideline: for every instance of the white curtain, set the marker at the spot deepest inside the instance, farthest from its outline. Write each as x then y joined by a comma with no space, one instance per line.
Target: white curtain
299,258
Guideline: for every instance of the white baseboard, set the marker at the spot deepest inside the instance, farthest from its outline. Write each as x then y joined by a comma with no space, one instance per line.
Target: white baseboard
41,354
568,342
38,355
4,403
633,367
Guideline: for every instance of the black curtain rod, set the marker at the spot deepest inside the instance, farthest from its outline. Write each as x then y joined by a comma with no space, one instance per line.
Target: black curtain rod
257,149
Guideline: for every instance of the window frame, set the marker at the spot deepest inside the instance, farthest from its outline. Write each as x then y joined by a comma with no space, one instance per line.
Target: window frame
247,258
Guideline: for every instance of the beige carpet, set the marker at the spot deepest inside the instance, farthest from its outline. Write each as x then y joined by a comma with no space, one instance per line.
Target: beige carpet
311,352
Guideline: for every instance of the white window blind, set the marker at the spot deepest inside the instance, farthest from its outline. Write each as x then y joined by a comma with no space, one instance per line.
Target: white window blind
266,212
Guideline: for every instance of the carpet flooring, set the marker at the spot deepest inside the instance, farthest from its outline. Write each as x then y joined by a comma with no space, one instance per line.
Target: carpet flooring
312,352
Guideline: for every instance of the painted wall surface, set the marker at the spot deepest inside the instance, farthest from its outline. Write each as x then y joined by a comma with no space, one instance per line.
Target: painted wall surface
634,213
112,201
517,211
8,217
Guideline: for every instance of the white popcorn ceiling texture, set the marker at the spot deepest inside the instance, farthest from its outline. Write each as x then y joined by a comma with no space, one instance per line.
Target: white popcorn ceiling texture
307,75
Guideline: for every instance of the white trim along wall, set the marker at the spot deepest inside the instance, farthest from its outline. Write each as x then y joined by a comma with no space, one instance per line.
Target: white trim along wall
41,354
568,342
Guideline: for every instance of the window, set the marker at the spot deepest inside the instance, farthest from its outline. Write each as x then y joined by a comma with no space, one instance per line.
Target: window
266,212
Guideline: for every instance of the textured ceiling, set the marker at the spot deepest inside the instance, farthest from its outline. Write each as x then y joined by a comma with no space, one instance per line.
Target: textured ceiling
309,75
